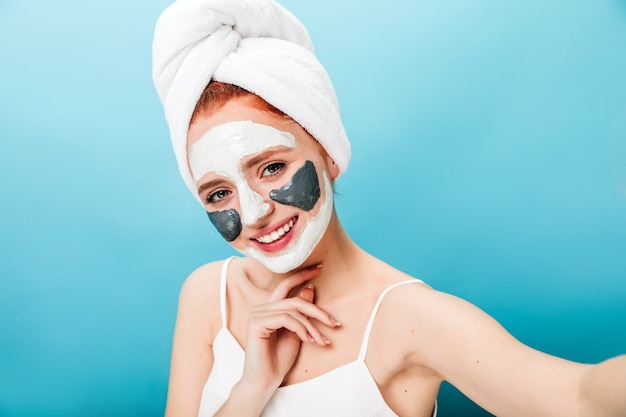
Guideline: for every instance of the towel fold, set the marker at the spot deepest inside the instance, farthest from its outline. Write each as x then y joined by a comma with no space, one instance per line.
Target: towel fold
254,44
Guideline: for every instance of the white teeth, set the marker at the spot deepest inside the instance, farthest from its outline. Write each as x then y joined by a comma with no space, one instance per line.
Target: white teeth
276,234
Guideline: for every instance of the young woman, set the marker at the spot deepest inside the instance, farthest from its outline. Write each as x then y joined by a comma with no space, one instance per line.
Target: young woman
307,323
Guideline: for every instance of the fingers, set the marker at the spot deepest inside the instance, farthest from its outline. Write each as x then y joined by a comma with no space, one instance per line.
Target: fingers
268,322
307,293
303,307
293,313
283,289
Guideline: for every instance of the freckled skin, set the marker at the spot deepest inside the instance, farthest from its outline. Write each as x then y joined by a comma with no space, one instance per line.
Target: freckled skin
302,190
227,222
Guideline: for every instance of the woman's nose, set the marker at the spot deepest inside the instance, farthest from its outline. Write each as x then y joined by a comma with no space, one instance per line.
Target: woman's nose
253,206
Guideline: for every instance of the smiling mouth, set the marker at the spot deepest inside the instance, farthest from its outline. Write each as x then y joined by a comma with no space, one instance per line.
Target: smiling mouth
278,233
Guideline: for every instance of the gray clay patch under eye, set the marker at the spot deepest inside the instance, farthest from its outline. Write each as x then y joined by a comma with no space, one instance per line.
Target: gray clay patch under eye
227,222
302,190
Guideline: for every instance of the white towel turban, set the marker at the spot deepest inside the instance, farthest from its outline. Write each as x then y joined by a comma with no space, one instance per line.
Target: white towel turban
254,44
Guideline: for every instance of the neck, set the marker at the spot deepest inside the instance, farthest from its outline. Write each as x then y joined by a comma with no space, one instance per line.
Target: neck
338,255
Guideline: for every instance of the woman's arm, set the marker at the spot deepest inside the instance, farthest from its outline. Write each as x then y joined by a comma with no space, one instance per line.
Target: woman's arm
603,389
468,348
192,357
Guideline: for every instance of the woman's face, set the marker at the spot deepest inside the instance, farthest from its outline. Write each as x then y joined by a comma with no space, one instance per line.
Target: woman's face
264,181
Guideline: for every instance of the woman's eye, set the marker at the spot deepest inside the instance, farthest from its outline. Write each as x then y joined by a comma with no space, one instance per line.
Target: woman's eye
272,169
217,196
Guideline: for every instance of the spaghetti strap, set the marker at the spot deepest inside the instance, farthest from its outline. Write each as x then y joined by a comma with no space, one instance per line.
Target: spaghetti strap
368,329
223,278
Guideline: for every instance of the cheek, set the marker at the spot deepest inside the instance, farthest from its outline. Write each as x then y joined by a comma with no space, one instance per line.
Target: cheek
227,222
302,190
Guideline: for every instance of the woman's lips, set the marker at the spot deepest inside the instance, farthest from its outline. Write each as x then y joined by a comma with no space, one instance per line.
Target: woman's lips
278,238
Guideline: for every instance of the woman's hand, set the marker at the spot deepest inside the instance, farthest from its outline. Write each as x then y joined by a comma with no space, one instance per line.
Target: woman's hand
277,328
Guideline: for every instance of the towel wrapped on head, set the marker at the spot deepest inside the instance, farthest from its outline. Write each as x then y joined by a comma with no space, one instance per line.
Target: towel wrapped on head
254,44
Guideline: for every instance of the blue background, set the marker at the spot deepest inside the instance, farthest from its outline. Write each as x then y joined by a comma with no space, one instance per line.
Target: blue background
489,160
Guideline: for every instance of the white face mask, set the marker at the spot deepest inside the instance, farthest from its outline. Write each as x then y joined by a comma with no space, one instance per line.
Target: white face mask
221,151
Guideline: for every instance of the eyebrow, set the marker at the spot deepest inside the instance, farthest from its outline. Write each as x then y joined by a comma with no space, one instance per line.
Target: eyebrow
209,184
264,155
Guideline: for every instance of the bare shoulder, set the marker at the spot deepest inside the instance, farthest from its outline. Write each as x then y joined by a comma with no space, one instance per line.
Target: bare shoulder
435,312
443,332
417,301
199,298
202,284
420,298
388,276
425,320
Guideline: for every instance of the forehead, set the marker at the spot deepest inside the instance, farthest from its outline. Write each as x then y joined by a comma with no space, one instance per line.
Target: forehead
222,148
234,110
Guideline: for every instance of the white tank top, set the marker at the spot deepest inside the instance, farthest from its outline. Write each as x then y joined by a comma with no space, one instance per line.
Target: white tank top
346,391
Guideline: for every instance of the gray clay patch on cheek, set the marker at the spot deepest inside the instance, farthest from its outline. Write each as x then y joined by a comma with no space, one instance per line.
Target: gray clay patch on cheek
302,190
227,222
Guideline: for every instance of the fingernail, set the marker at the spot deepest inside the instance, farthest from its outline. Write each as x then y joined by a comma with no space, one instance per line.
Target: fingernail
333,321
309,286
325,340
311,339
